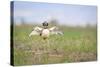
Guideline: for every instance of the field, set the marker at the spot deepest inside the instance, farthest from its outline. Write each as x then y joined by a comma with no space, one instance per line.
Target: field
76,45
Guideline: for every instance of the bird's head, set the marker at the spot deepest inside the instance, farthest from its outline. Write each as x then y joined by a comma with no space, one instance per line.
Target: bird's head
45,24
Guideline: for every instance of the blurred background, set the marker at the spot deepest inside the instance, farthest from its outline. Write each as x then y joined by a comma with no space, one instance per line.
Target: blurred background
63,14
78,22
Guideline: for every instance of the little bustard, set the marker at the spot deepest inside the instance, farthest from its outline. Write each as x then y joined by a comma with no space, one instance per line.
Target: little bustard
45,32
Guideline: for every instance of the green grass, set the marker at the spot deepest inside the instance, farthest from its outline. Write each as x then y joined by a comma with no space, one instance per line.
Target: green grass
76,45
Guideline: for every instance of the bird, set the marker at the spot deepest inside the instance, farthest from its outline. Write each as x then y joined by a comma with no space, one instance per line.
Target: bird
45,32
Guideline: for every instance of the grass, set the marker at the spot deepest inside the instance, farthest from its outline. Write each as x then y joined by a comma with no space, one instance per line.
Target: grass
76,45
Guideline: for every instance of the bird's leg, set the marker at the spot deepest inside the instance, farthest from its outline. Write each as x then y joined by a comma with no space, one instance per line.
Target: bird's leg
45,44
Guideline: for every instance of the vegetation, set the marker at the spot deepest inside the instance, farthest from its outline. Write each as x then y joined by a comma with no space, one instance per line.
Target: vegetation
76,45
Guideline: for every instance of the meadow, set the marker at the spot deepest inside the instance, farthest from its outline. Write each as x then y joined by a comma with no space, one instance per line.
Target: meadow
78,44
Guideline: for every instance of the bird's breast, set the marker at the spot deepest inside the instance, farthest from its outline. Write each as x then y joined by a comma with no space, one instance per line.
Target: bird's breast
45,33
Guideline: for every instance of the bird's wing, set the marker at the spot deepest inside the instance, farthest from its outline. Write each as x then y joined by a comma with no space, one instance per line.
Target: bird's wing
55,30
36,31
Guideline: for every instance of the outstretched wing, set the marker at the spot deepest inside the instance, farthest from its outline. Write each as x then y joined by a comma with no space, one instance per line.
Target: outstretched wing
36,31
55,30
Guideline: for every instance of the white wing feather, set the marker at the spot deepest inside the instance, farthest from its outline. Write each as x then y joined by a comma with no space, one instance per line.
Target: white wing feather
36,31
54,30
